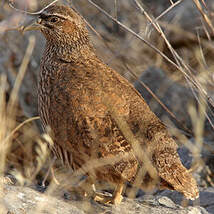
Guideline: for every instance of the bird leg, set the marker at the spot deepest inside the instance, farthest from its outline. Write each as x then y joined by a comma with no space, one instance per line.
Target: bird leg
102,198
117,196
54,177
50,170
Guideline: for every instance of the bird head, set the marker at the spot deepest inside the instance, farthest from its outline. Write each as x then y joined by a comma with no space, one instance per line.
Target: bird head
60,23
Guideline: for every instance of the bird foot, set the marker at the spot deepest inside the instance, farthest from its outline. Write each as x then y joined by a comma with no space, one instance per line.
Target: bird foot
107,199
7,180
103,199
117,199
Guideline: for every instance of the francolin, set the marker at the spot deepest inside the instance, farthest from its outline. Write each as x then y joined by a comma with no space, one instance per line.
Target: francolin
86,104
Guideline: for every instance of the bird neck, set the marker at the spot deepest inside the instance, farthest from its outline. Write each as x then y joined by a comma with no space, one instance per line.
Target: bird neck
69,50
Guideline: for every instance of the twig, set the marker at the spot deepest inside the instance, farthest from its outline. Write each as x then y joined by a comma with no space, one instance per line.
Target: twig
30,13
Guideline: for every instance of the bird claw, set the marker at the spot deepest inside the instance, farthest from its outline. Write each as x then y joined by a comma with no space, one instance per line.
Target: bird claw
107,199
103,199
6,180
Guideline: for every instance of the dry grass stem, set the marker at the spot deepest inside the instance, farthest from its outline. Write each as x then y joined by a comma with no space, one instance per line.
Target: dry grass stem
19,78
167,10
204,14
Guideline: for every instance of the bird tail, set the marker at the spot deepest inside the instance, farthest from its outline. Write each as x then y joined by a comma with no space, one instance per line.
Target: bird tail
171,170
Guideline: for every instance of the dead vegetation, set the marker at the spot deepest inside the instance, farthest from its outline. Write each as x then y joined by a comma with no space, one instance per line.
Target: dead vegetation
131,36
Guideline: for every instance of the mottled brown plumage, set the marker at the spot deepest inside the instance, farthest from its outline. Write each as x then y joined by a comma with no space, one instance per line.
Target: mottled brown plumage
82,100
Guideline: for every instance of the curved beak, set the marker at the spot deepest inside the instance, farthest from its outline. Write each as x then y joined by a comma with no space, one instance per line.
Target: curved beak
32,25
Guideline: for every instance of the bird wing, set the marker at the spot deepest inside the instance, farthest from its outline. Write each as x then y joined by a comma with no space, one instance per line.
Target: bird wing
103,141
82,121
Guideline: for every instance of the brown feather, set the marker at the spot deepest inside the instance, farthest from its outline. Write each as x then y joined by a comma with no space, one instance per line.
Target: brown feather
77,95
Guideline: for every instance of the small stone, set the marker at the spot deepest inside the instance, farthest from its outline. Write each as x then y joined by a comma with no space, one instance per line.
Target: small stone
165,201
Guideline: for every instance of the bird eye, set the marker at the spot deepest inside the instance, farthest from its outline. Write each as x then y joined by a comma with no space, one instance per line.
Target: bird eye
54,19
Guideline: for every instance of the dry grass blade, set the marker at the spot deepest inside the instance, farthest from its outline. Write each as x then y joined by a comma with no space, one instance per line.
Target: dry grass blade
168,9
30,13
3,127
198,119
189,35
19,78
178,60
18,127
9,110
134,33
204,15
138,150
183,67
115,8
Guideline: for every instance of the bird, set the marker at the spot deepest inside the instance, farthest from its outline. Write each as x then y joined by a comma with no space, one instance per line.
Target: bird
95,115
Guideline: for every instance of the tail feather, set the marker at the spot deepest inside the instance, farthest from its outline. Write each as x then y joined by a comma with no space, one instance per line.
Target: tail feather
171,170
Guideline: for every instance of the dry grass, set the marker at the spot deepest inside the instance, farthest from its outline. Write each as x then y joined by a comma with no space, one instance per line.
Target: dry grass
24,148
